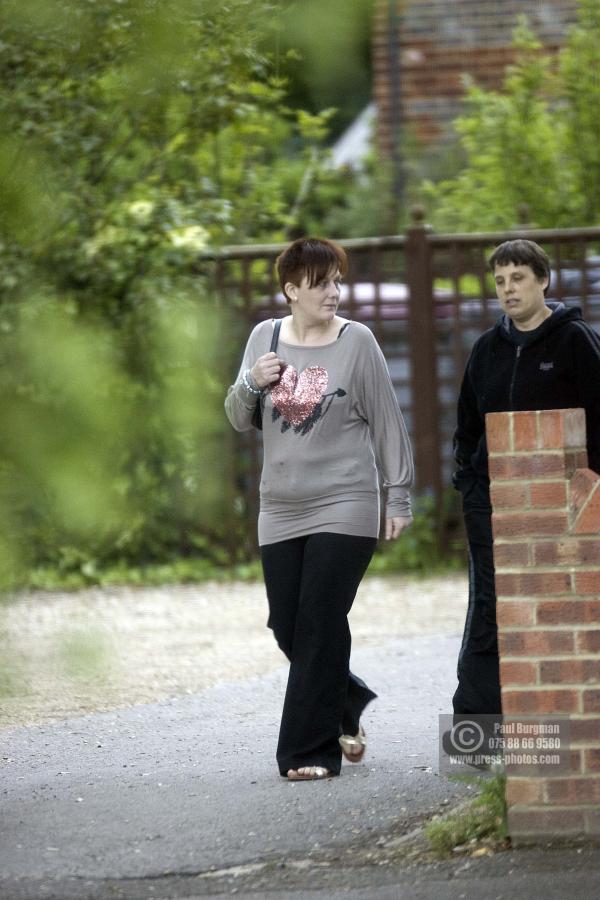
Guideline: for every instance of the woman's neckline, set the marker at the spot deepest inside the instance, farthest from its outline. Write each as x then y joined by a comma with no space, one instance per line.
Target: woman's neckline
343,330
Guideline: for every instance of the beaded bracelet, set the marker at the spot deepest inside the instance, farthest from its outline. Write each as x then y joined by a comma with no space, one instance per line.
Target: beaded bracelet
246,382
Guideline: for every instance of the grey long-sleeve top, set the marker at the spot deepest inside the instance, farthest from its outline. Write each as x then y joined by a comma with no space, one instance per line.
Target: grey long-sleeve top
331,426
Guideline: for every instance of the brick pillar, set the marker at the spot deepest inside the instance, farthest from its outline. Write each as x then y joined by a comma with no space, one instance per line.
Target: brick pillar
546,524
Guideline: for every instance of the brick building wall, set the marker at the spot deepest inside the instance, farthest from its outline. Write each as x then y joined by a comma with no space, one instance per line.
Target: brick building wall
546,525
423,48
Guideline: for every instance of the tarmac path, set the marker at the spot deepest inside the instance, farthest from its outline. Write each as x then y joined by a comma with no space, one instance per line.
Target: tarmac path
181,797
189,785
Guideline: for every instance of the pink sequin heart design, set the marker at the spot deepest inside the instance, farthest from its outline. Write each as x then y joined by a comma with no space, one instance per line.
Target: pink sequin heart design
295,396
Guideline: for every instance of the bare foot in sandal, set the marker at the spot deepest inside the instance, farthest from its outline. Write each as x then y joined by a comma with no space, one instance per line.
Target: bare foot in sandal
353,747
308,773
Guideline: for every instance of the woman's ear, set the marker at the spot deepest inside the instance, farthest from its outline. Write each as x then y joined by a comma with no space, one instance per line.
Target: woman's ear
291,290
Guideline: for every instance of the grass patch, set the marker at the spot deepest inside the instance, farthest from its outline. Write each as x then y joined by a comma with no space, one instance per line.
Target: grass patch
484,820
180,571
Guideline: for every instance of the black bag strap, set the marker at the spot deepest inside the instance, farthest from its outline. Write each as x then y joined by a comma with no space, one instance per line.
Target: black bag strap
275,338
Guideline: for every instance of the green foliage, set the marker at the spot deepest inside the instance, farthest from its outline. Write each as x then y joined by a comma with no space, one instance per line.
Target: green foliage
136,133
417,552
140,131
419,549
179,570
485,818
533,143
352,204
580,93
113,441
325,51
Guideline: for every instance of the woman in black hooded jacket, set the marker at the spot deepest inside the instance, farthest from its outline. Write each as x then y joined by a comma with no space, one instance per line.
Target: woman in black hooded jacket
539,355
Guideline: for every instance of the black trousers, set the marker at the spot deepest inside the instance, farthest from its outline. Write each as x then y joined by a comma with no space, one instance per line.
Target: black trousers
311,583
478,690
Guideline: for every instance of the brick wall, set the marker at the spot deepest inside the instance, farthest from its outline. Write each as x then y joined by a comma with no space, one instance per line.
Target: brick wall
440,41
546,525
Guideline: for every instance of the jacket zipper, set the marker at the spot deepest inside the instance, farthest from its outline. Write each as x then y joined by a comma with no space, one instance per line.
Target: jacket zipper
512,380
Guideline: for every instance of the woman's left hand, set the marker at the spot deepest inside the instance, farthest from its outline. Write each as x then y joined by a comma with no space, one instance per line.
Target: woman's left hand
395,526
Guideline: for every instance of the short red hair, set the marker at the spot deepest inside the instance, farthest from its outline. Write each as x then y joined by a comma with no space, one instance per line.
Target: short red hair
313,258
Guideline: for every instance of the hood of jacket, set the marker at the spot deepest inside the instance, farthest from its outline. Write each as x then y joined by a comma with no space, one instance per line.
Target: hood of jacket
560,315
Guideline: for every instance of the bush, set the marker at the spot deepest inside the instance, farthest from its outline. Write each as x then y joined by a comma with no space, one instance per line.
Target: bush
428,546
136,133
532,143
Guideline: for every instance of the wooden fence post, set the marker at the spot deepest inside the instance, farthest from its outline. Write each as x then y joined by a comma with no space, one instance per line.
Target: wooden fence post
422,355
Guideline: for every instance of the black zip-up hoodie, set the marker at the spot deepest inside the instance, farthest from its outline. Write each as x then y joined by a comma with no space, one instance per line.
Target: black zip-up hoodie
556,367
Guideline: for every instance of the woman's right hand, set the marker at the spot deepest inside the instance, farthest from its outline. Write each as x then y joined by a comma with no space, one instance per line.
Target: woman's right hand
266,370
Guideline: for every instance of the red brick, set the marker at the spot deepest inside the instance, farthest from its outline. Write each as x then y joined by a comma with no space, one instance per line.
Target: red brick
564,612
529,465
548,494
529,524
562,428
509,496
581,486
575,764
431,67
500,468
565,551
497,429
588,582
574,428
574,461
591,703
524,791
536,701
585,502
537,823
573,791
569,763
569,671
588,641
588,521
513,673
586,731
536,643
591,759
510,555
551,430
532,583
514,612
591,670
525,431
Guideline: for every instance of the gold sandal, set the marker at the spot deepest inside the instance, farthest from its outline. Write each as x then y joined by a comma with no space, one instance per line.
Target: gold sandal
316,773
353,748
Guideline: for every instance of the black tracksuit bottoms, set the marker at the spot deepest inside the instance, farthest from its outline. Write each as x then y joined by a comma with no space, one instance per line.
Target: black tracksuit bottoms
311,583
478,690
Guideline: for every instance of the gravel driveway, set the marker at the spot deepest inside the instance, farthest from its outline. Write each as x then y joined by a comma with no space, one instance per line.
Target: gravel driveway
65,654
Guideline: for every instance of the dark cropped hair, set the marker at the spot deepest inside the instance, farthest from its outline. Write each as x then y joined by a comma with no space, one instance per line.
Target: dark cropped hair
522,252
314,258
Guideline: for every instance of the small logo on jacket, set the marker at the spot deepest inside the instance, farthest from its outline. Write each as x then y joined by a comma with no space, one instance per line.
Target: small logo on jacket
545,367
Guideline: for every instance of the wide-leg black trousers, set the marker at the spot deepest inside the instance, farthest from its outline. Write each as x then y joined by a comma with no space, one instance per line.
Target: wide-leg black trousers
311,583
478,670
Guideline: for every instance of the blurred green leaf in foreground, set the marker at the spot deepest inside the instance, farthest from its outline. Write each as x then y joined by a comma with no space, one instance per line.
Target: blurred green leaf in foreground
130,128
